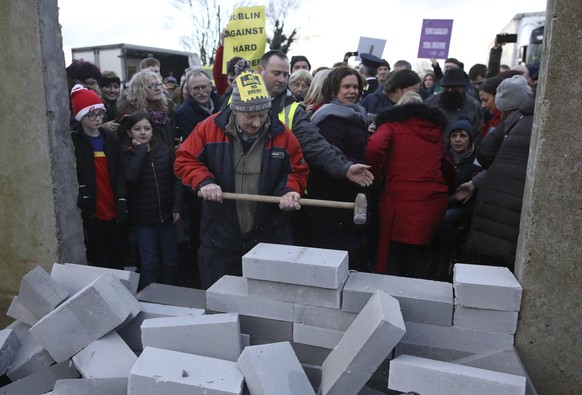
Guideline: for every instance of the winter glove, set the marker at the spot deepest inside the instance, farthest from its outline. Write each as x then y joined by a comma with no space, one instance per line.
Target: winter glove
83,199
121,210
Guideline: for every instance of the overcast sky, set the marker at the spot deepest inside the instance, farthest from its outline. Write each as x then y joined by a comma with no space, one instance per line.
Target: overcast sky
327,28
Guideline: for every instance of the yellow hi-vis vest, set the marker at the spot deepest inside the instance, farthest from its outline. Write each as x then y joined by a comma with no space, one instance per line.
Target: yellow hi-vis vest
287,113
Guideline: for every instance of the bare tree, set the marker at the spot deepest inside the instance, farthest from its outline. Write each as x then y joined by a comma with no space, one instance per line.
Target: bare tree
276,13
205,19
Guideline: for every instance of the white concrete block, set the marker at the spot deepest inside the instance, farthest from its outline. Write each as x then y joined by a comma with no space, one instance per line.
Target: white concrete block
9,346
315,296
314,336
273,369
107,357
276,330
464,340
425,376
131,332
308,266
230,295
20,312
306,354
506,361
170,372
486,287
420,300
214,336
323,317
497,321
42,380
116,386
75,277
40,293
31,355
173,295
366,343
97,309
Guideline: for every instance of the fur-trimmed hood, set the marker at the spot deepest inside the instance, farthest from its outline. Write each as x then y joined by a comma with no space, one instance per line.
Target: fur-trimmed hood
413,110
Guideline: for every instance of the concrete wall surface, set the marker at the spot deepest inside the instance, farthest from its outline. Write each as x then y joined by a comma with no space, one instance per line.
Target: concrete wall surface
39,221
549,258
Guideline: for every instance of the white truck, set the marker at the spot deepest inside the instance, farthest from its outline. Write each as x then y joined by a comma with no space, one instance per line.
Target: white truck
529,28
124,59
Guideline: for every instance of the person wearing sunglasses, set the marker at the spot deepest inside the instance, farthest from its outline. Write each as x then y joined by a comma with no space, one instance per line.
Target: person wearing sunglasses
102,191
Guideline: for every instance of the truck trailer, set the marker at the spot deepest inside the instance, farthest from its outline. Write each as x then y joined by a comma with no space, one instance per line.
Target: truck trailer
124,59
527,50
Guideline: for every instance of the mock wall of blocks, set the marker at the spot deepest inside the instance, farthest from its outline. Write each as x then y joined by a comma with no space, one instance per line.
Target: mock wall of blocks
85,329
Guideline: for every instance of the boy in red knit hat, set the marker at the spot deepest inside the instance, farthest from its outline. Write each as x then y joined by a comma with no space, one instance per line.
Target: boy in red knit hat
102,190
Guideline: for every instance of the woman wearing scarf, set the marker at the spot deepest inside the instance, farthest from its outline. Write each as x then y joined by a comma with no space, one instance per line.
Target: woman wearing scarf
343,123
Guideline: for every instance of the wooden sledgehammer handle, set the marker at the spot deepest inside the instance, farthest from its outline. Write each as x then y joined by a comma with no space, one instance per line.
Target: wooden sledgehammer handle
359,206
275,199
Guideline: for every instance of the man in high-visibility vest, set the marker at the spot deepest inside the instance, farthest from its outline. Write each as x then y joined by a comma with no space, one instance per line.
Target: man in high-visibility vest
317,151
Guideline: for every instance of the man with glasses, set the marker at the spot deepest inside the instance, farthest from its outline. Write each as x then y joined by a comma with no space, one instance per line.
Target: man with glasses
102,190
202,102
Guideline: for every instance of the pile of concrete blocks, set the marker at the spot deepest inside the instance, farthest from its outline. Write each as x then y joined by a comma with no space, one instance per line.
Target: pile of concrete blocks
297,322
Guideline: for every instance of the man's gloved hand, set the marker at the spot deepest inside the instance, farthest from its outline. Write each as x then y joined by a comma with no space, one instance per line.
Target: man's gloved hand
121,210
83,197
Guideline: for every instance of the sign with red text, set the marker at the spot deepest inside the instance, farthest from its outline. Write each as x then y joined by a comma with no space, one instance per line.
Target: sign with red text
247,35
435,38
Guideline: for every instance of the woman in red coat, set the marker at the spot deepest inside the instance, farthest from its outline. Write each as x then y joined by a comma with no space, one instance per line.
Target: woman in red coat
407,153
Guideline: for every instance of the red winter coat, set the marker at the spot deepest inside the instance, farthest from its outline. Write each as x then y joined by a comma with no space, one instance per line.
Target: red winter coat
407,152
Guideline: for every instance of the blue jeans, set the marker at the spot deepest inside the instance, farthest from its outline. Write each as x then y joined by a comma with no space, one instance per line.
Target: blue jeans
155,242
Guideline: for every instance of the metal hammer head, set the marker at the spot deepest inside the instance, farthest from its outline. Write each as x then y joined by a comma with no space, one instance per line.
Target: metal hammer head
360,209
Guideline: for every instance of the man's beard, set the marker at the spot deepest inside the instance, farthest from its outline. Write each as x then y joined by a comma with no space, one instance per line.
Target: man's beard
452,101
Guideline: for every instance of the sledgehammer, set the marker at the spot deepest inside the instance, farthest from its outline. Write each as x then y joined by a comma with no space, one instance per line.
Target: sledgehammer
360,206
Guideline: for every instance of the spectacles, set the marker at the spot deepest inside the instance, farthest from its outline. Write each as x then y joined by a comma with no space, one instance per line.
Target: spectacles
154,86
94,114
199,88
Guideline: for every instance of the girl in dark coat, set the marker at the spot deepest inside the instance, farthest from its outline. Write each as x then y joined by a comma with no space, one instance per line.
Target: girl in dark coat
407,151
155,199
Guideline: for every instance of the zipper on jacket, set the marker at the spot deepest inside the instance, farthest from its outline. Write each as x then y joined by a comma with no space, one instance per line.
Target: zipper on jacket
158,193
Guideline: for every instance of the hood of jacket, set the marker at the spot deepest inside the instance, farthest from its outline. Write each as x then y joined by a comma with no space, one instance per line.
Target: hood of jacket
428,121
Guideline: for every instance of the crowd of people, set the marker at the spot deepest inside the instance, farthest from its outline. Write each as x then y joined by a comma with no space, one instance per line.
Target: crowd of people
441,156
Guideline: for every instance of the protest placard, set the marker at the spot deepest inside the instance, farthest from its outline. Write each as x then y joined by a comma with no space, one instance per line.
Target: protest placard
247,35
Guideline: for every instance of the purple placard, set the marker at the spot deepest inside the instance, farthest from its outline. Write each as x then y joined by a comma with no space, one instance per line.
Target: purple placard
435,38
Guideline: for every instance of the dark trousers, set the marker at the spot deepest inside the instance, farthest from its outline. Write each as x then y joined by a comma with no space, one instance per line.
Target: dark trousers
104,243
406,260
213,264
157,244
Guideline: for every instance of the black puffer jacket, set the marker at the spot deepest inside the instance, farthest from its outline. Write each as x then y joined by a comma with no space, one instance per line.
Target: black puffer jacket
154,191
504,153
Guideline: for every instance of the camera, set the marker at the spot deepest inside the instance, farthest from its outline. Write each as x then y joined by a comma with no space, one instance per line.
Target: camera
506,38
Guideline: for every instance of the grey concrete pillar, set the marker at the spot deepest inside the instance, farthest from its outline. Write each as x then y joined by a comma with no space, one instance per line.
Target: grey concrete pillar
549,258
39,221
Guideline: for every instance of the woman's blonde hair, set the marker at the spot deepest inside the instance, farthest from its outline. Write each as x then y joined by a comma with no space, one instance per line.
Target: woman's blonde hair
137,92
408,98
314,94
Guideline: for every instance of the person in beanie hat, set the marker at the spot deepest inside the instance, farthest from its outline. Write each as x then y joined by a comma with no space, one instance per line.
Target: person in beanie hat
299,62
110,87
461,152
511,93
102,191
492,115
243,149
